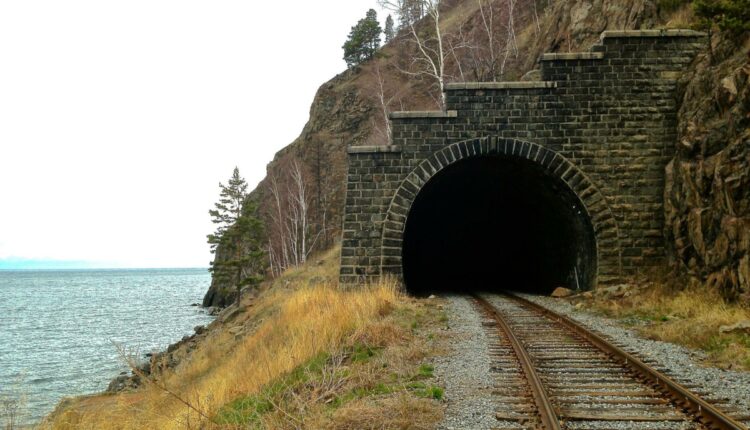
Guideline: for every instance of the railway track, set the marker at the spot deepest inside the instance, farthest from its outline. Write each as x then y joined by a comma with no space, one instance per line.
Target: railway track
552,373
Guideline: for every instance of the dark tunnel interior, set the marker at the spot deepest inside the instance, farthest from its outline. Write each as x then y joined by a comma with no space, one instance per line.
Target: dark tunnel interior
497,223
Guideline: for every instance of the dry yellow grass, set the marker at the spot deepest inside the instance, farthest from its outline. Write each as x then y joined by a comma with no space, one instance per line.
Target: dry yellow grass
690,317
300,317
682,17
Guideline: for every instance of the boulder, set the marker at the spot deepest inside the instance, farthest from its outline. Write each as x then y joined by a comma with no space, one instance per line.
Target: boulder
561,292
124,382
229,313
740,328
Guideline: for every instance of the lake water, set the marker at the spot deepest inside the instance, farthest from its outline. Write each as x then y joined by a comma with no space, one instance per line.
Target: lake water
57,328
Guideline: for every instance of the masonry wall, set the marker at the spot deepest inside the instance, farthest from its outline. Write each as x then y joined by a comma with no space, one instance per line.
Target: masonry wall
604,121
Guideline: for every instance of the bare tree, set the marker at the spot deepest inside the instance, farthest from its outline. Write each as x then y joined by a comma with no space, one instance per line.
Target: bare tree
386,93
290,240
536,19
298,214
488,23
330,189
511,44
489,60
432,50
279,245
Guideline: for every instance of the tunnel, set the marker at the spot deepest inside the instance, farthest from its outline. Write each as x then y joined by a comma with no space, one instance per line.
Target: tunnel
497,223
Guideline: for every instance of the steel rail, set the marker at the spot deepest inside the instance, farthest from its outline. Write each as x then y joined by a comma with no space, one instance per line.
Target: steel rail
546,411
709,415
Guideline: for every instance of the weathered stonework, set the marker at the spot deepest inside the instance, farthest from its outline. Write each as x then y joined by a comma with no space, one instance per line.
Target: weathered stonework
604,122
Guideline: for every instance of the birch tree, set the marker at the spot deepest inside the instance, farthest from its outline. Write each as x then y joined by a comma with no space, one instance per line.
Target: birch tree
290,241
488,60
386,93
431,57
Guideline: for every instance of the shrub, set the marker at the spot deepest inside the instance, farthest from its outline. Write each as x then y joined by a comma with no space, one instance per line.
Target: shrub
729,15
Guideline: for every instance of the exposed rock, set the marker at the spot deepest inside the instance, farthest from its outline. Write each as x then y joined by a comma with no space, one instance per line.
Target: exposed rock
740,327
220,294
229,313
123,382
707,190
561,292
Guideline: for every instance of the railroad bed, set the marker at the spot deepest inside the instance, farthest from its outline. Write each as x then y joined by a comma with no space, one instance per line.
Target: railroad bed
552,373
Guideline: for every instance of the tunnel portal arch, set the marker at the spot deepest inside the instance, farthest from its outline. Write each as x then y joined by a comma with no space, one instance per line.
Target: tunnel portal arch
602,240
602,122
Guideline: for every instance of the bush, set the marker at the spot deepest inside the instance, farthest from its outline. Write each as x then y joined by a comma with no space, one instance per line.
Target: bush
729,15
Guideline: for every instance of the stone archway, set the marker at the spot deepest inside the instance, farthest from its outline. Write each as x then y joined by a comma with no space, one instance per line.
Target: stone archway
603,223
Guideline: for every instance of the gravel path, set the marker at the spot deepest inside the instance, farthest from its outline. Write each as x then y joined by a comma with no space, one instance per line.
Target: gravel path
465,371
678,362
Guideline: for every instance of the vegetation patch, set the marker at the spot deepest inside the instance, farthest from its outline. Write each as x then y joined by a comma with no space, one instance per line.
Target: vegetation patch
695,317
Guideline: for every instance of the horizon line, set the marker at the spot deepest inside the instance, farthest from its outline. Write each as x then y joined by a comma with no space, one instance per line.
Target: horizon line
19,269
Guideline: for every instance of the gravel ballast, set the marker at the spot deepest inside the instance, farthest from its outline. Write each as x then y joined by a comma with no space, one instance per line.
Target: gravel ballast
680,363
465,371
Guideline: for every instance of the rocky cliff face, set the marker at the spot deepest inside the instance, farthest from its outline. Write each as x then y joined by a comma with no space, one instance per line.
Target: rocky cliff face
220,293
707,194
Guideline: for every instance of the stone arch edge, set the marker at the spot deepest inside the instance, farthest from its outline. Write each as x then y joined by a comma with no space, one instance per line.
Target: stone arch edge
606,231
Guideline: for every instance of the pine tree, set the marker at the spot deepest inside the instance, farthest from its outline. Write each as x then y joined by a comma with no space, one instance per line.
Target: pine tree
239,236
411,11
730,15
363,40
389,31
229,208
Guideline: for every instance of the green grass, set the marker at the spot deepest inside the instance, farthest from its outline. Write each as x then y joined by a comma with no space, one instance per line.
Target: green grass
248,410
425,370
363,353
430,392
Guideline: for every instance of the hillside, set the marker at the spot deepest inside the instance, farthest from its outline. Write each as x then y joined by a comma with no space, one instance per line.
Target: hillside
303,354
347,111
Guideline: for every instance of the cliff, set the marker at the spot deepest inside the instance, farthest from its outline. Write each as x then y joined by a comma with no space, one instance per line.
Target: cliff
707,184
707,194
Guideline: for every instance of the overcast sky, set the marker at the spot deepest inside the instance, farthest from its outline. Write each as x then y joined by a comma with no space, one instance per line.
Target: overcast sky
118,119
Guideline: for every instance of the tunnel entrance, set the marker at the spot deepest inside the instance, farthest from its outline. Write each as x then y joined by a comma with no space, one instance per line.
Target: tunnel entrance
495,222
